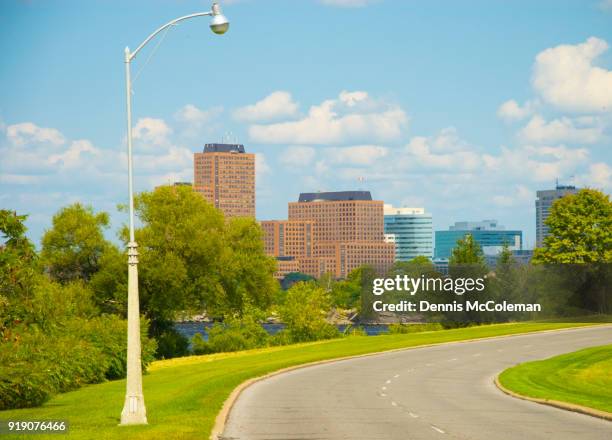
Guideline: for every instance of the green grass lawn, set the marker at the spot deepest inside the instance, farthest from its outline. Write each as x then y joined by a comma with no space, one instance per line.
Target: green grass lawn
184,395
583,377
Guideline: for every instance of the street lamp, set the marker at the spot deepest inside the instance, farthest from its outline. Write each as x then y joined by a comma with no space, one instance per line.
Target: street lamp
134,411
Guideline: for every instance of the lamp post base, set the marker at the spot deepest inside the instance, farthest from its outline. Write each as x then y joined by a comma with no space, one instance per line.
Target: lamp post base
134,411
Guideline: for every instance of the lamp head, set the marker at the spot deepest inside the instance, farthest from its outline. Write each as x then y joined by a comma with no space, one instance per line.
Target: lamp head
219,24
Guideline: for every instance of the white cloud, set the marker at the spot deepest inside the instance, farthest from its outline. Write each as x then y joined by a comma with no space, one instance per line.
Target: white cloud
351,117
598,176
193,115
513,111
356,155
275,106
297,156
535,163
444,151
520,195
586,130
151,133
73,157
25,132
567,77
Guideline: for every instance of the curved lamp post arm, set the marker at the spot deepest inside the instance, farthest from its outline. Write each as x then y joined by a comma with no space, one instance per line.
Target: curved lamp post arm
132,55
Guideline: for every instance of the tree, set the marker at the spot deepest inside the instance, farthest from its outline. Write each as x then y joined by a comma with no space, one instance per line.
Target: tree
467,251
580,243
580,230
191,259
304,313
72,248
466,262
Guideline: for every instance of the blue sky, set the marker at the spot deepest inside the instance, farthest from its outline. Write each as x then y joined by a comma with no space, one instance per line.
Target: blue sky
465,108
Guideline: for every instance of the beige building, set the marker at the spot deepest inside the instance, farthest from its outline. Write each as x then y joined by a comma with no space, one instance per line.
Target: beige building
225,175
346,230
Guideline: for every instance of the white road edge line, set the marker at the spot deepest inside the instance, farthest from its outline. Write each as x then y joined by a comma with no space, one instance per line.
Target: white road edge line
413,415
435,428
393,403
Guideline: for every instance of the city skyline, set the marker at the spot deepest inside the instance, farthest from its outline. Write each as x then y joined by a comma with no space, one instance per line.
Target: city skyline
318,110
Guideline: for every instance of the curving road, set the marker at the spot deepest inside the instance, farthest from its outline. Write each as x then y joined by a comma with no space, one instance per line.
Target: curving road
441,392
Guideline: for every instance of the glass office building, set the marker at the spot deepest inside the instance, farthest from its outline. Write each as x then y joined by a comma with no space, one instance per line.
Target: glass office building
411,230
488,234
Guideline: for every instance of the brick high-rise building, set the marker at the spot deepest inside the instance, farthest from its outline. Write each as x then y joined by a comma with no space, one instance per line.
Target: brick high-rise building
347,232
225,175
291,238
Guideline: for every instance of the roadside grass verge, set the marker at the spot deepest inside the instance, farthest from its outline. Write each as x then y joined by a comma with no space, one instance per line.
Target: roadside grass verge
583,377
184,395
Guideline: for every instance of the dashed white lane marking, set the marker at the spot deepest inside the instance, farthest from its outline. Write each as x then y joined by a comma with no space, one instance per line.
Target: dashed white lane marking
389,381
383,388
396,376
435,428
383,395
413,415
453,359
393,403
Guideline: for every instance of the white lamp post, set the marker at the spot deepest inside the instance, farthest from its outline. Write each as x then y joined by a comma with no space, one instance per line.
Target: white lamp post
134,411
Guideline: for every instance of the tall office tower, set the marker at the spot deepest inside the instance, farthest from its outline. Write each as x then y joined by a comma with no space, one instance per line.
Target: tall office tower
348,232
225,175
411,229
341,216
543,203
488,234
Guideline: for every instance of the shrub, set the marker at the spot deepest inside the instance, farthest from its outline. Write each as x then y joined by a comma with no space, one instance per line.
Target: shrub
35,365
234,334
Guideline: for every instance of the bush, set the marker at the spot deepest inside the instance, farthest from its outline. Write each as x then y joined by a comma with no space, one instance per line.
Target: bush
233,335
395,329
170,344
35,365
354,331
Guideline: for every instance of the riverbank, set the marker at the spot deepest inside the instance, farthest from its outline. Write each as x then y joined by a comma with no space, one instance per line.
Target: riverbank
184,395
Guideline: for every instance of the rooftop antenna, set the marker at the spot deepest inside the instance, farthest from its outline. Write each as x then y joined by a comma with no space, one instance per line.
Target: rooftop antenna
361,180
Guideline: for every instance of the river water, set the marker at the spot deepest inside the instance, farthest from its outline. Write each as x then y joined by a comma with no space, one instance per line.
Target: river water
188,329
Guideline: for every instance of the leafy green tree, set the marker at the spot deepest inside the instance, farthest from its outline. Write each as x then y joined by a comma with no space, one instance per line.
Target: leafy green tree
304,313
580,234
19,269
467,262
580,230
467,251
247,272
109,283
192,259
72,248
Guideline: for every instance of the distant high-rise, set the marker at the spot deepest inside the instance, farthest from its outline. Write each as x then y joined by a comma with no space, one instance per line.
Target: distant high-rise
543,203
331,232
488,234
411,230
225,175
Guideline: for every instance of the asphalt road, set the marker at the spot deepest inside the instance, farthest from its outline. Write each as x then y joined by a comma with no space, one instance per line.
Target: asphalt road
439,392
